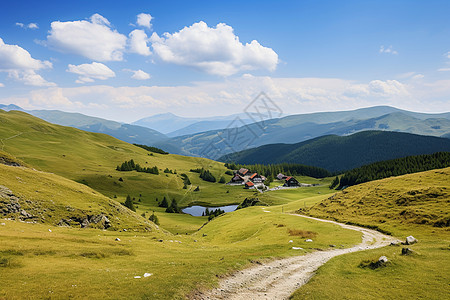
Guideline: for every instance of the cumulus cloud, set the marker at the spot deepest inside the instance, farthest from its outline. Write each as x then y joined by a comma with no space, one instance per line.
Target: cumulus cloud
19,65
2,85
140,75
213,50
388,50
90,72
138,42
144,20
94,39
27,26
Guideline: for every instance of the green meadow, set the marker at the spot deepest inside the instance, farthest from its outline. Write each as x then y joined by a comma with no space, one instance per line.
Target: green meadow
67,172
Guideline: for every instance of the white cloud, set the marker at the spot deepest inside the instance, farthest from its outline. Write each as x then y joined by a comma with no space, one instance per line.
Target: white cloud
29,77
29,25
93,39
213,50
388,50
90,72
447,54
140,75
19,65
2,85
444,69
138,42
144,20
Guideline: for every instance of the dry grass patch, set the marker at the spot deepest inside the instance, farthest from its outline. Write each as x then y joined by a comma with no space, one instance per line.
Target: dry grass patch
302,233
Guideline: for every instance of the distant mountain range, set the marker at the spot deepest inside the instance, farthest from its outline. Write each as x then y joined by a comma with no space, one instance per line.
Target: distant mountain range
340,153
298,128
207,137
173,125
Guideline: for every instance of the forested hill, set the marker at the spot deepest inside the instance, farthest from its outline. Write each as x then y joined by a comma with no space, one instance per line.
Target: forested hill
395,167
341,153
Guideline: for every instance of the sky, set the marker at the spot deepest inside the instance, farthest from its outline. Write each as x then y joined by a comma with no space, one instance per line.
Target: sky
125,60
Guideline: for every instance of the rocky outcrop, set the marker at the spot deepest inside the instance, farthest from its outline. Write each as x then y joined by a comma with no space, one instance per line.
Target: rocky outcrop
97,221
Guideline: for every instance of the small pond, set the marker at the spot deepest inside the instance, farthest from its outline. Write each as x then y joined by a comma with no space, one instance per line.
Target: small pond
197,210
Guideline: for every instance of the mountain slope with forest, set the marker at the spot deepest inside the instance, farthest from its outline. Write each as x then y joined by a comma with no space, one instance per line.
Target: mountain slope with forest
340,153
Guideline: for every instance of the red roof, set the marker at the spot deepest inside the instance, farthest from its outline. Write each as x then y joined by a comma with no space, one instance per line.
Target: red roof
288,178
251,177
249,183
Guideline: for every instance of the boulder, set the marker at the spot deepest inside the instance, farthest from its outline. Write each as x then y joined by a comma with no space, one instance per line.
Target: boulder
411,240
308,240
407,251
382,260
117,240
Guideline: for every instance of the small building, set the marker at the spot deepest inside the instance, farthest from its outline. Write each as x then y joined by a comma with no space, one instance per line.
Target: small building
249,185
291,181
243,171
256,178
281,176
237,179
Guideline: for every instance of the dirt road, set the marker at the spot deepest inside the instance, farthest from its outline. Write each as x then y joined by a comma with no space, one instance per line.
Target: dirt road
278,279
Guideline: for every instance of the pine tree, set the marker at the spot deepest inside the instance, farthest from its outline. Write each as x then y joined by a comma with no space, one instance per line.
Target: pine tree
164,203
154,219
129,203
222,179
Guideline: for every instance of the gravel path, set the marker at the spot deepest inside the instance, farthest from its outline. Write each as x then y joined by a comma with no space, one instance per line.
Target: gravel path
278,279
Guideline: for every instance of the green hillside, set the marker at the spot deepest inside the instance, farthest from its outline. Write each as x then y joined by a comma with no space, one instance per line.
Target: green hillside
92,158
413,204
336,153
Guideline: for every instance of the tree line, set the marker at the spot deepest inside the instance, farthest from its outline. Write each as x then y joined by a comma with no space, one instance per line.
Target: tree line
288,169
132,166
152,149
206,175
393,167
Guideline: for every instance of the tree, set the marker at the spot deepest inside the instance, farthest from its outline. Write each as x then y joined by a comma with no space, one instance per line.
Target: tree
334,183
173,208
222,179
164,203
197,189
129,203
154,219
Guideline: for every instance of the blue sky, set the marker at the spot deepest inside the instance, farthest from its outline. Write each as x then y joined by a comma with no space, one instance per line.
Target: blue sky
99,58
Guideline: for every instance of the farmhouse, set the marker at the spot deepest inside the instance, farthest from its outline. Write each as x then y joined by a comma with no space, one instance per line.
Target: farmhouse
256,178
243,171
249,185
291,181
237,179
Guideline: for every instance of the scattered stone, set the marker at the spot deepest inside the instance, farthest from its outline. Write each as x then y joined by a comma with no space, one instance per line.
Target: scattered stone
195,241
291,241
205,234
297,248
84,223
49,230
117,240
395,243
382,260
137,277
411,240
147,275
407,251
308,240
2,224
124,230
160,241
332,246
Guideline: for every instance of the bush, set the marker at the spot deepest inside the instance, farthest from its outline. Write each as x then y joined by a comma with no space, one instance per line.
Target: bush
222,179
197,189
153,218
129,203
164,203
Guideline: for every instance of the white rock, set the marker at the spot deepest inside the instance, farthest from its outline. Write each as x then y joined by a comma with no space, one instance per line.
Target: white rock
291,241
383,259
297,248
49,230
308,240
147,275
137,277
411,240
2,224
117,239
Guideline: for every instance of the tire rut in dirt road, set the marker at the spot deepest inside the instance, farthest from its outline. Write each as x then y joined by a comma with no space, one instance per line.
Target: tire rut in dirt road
278,279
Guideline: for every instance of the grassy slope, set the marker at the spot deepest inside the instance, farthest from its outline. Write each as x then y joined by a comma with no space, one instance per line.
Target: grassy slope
81,263
404,205
50,198
91,158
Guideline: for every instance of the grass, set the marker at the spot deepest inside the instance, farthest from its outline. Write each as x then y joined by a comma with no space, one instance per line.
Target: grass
381,203
80,263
